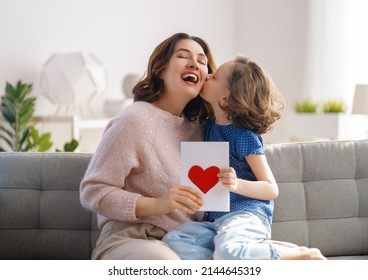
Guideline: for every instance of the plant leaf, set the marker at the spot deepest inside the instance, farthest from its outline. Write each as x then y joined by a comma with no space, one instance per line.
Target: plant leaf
9,89
26,105
17,109
24,90
8,141
22,141
33,133
71,146
26,117
9,114
7,104
9,132
45,143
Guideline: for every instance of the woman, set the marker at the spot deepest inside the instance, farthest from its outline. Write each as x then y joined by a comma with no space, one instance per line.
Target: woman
133,180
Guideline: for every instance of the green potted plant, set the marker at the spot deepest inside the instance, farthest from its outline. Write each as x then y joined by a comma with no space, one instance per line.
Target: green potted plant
17,130
333,106
70,146
328,121
306,106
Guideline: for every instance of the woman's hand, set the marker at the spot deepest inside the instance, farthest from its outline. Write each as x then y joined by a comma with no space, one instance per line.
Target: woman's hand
227,176
182,198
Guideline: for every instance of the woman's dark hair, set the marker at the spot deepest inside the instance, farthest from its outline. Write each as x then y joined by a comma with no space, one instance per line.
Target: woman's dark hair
150,88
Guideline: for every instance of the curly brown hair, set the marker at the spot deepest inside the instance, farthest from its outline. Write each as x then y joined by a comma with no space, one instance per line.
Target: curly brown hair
254,101
150,87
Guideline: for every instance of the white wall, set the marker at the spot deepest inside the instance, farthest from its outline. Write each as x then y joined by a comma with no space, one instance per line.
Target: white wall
285,36
274,34
311,48
121,33
337,56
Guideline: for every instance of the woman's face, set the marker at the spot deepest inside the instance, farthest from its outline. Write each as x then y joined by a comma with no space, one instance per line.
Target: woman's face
186,71
216,86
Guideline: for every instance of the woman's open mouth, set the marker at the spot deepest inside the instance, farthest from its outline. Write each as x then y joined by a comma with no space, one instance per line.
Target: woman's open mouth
190,78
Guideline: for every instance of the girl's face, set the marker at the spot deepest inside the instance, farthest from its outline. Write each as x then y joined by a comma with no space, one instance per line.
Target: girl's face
216,87
186,71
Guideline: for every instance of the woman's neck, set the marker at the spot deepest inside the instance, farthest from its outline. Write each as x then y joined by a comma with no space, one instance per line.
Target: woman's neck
173,107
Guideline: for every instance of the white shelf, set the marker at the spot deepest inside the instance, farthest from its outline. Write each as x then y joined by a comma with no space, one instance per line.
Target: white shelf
65,128
328,126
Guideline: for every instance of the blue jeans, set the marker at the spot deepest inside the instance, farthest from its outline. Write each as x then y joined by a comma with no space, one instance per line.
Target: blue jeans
234,236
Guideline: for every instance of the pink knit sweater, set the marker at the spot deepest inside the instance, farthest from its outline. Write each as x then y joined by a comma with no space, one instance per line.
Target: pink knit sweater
139,154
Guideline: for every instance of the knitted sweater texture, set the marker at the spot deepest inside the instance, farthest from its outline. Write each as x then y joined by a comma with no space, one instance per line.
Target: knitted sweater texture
139,154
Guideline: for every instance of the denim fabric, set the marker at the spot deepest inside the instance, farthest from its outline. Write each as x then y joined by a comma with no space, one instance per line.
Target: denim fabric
236,235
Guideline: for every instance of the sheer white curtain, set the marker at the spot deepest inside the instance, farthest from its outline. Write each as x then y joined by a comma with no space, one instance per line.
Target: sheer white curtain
337,52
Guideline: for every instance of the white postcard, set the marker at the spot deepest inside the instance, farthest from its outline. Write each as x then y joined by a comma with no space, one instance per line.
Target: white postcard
201,162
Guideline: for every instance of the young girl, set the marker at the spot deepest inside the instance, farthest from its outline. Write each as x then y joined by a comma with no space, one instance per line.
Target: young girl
245,104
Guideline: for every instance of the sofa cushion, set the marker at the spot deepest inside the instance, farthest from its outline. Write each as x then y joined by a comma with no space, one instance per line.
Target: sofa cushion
323,197
41,215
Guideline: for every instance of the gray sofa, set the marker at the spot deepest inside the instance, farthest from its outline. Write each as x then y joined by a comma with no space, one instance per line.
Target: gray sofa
323,196
323,201
40,213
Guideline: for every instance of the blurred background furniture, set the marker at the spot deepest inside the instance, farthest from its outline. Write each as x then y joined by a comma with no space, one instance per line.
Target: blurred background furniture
360,103
72,81
64,128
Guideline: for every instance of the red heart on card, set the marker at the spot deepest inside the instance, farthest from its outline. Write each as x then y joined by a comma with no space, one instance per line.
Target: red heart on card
204,179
